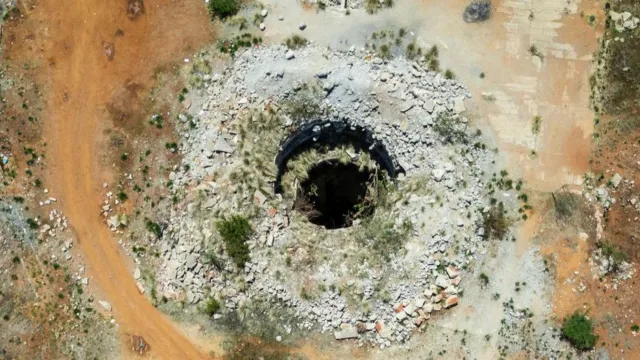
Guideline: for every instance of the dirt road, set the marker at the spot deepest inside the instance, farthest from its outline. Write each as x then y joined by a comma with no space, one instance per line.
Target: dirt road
66,38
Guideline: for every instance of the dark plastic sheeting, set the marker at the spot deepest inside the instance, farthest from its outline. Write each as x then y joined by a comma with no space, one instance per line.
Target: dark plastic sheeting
320,133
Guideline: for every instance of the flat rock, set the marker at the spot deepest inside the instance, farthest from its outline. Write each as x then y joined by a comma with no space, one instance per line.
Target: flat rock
346,333
136,273
222,146
451,301
105,305
290,55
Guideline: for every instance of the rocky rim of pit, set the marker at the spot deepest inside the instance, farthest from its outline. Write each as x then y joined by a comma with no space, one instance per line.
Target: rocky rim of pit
380,278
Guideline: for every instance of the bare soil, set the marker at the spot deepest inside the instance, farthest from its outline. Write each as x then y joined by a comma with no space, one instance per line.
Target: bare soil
80,82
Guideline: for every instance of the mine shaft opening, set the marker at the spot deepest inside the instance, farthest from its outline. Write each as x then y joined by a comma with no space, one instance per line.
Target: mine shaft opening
335,194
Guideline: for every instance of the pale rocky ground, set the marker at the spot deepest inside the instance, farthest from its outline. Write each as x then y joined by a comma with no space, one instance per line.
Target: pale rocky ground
519,94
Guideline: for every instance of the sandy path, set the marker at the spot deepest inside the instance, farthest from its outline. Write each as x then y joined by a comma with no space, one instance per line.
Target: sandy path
81,81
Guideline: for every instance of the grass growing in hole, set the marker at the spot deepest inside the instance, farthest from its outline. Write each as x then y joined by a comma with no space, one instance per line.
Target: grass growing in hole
235,232
295,42
578,330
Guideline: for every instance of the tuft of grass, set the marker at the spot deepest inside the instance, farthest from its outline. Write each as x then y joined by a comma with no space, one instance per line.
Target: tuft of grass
535,127
578,330
211,306
235,232
385,51
295,42
484,278
495,222
450,75
154,228
447,128
565,203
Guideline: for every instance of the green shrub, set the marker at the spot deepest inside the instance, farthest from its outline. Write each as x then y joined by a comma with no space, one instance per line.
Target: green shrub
235,232
223,8
295,42
154,227
211,306
578,330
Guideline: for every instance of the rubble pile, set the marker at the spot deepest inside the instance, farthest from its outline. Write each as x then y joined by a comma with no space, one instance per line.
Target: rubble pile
418,115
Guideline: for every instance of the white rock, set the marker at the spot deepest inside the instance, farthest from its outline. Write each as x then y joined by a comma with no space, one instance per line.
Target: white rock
105,305
262,26
264,12
302,26
346,333
290,55
136,273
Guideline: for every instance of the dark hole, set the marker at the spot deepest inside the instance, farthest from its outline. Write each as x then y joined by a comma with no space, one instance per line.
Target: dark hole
333,194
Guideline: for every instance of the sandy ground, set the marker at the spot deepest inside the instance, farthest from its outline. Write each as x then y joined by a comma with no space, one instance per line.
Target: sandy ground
67,38
80,80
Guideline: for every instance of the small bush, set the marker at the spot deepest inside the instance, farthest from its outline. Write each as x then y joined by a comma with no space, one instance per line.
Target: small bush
223,8
535,127
447,128
295,42
235,232
154,228
484,278
211,306
450,75
565,203
385,51
495,223
578,330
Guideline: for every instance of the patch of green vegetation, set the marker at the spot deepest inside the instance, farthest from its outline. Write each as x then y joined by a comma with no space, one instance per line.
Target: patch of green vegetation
223,8
154,228
383,236
447,128
231,46
450,75
578,330
385,51
235,232
211,306
373,6
613,252
495,222
295,42
535,127
565,203
484,279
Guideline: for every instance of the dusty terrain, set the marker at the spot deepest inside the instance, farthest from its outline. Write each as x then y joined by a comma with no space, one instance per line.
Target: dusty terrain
87,97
